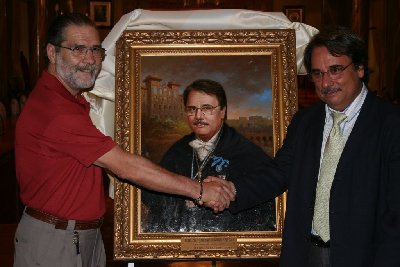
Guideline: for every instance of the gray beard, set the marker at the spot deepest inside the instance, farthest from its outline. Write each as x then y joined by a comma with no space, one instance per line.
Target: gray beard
67,74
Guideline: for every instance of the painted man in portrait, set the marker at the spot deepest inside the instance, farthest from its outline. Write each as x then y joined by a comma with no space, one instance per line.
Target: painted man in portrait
212,149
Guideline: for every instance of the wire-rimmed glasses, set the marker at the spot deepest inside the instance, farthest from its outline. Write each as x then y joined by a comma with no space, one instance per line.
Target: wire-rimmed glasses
81,51
205,110
333,71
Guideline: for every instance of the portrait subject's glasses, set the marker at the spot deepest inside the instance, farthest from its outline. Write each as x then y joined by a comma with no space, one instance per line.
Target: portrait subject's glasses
333,71
81,51
205,110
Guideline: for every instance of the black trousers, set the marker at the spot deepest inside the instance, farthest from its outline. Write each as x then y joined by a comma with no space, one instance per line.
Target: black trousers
318,256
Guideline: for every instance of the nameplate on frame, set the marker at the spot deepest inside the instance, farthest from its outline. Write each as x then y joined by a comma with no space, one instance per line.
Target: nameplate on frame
208,243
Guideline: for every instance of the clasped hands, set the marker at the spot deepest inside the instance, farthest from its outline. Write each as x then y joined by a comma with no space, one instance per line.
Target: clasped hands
217,193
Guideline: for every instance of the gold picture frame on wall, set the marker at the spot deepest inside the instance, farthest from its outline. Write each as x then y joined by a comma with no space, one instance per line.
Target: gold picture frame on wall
294,13
100,13
144,54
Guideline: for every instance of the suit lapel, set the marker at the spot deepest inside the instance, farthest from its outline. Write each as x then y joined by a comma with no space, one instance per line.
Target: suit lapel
358,136
315,133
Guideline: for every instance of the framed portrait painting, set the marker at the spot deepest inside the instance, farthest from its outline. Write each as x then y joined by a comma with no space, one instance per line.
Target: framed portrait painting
257,69
294,13
100,13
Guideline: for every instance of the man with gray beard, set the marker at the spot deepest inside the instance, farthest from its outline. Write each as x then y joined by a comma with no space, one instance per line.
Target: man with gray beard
59,155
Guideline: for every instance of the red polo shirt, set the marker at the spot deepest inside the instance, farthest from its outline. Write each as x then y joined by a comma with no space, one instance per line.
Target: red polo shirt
56,144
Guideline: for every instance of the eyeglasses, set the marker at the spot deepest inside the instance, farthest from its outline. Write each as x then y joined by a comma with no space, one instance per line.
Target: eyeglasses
81,51
205,110
334,72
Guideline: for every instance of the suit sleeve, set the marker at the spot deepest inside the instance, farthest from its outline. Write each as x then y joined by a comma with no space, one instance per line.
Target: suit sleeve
389,233
272,177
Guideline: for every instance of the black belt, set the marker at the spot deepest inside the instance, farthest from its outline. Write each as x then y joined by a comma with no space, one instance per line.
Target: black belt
62,224
316,240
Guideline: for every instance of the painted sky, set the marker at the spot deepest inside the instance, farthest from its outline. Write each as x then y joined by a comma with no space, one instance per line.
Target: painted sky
246,79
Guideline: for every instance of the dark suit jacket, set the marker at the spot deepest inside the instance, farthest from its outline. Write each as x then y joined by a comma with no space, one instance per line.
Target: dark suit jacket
365,194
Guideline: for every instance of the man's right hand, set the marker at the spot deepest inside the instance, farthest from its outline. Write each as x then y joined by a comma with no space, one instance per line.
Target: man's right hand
217,193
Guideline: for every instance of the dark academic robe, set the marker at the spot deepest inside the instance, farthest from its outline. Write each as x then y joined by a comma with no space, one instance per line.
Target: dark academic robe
235,157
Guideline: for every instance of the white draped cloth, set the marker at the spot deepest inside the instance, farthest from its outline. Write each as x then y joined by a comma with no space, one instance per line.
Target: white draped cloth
102,96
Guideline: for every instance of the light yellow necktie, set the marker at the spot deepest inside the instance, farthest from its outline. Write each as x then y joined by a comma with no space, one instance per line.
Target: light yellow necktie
333,149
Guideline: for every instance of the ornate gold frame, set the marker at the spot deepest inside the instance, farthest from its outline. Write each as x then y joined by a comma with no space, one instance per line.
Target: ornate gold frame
130,242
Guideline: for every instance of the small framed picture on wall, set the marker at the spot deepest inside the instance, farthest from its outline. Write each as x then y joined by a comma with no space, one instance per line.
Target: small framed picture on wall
100,13
294,13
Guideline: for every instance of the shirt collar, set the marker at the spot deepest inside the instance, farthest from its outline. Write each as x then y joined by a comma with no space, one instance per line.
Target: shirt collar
213,139
54,84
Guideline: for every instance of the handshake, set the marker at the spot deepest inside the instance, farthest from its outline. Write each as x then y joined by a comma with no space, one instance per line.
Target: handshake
216,193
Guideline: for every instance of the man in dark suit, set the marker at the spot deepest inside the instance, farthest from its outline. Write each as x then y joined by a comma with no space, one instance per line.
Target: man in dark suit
342,175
